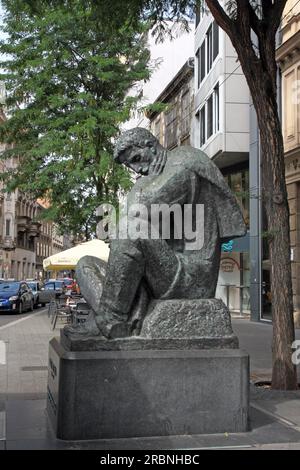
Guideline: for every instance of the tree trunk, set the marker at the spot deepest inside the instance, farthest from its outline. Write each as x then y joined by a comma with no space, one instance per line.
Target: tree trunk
274,198
259,67
261,78
260,73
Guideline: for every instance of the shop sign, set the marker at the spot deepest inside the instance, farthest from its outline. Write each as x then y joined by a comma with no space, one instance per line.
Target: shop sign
228,265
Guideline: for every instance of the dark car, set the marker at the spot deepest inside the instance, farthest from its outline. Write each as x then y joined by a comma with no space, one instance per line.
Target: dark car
15,296
55,285
40,295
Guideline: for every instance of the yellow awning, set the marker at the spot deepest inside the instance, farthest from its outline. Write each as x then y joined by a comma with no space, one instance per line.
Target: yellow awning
68,259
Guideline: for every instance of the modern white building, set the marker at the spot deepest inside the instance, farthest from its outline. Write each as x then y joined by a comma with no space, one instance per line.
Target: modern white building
221,129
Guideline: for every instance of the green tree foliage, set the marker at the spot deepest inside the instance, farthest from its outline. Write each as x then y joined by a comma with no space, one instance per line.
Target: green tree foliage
68,66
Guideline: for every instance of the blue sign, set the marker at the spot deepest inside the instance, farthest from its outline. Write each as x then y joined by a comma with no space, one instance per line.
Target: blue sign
227,247
238,245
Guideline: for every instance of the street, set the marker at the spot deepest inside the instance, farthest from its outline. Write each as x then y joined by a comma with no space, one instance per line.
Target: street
7,317
23,383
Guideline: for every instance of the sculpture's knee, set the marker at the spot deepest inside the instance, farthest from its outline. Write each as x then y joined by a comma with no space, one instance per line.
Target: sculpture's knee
90,275
131,248
88,264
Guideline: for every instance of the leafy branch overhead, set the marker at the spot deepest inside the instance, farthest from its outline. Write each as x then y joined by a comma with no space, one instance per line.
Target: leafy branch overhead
67,73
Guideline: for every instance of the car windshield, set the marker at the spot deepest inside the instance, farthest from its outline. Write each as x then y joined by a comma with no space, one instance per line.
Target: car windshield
32,285
50,286
9,287
53,285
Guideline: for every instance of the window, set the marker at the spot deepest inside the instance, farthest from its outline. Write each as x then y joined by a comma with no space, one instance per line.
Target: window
200,57
157,129
208,51
202,126
216,108
212,40
7,227
209,47
209,116
198,14
202,62
185,114
215,28
200,10
198,67
171,126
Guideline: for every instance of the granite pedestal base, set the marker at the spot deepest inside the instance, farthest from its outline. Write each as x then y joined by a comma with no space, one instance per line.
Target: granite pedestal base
140,393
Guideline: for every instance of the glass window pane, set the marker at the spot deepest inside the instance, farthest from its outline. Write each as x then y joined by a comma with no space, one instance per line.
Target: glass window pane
216,109
198,14
198,63
215,40
210,116
202,126
202,62
7,231
209,48
171,126
185,113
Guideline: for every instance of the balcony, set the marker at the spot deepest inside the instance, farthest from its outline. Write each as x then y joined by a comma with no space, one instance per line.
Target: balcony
34,229
7,243
23,223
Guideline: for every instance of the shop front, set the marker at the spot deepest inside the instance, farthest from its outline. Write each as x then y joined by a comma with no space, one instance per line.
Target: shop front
234,275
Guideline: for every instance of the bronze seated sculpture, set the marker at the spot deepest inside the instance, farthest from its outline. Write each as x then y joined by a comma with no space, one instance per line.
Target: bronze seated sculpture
162,287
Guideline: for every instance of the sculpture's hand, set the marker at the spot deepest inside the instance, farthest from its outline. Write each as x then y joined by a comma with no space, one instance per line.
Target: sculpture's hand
157,165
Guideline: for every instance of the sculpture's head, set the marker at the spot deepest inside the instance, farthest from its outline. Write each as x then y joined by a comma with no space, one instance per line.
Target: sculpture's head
139,150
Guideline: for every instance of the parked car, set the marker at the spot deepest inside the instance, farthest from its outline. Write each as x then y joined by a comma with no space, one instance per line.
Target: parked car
70,284
16,296
40,294
55,285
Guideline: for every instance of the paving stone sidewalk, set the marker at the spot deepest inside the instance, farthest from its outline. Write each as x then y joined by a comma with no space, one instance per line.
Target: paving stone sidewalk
275,416
26,343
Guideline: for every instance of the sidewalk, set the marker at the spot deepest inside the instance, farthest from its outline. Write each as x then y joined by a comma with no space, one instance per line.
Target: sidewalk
275,416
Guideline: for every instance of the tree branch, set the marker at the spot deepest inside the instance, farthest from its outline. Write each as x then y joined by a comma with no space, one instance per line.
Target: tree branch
254,20
222,19
266,6
274,16
243,17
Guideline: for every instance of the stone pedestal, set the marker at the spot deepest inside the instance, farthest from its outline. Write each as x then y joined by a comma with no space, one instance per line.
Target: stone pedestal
146,392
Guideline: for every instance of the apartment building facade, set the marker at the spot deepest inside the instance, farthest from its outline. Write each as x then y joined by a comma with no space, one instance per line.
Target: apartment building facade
25,239
18,232
49,241
173,125
288,57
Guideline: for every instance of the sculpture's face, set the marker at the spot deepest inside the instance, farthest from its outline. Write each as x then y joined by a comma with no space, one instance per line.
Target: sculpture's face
138,159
